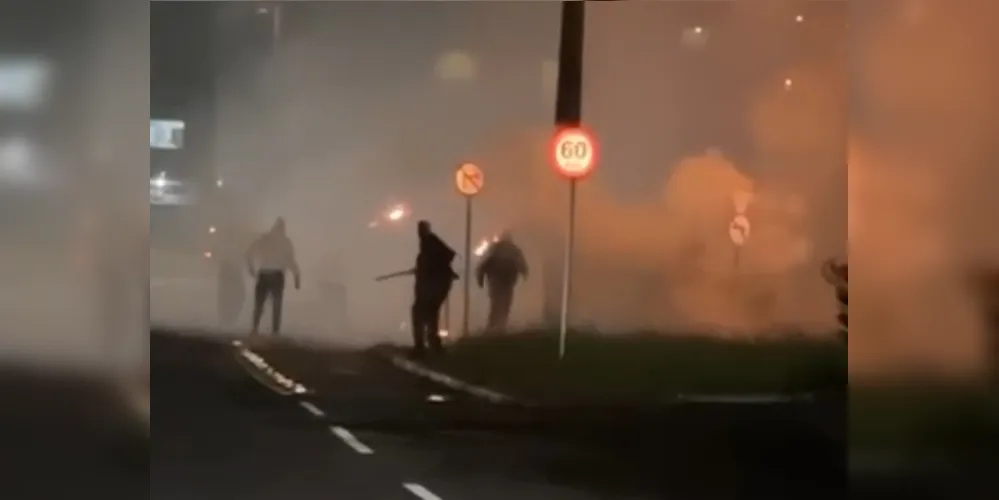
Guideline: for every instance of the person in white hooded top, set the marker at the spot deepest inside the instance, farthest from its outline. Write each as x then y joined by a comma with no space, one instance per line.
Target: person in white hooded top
268,259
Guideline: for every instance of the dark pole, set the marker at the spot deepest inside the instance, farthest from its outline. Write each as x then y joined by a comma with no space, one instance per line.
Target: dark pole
468,268
569,99
568,112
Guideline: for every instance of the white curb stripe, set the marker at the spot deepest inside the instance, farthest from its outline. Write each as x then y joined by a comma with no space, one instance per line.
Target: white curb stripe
451,382
420,491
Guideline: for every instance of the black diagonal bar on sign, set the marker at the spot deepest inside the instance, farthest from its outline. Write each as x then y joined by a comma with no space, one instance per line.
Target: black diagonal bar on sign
471,178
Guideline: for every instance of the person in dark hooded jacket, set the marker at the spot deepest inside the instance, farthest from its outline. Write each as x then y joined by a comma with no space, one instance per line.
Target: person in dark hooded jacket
434,278
502,266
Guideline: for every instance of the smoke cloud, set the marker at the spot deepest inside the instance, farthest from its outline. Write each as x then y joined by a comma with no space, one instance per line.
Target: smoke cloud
796,103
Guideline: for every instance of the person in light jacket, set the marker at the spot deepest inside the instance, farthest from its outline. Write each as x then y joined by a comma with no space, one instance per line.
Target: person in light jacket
268,259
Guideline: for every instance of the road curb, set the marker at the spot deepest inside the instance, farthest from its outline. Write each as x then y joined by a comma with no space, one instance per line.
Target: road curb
450,382
405,364
261,371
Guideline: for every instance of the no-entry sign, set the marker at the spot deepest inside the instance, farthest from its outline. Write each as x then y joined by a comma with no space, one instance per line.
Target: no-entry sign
739,230
574,152
469,179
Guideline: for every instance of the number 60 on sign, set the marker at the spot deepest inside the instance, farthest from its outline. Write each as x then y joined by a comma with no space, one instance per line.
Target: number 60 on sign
574,152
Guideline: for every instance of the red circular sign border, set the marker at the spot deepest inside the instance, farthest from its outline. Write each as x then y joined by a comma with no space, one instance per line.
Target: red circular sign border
458,171
594,146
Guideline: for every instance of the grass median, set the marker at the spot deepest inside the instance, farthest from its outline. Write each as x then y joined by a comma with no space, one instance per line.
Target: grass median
644,368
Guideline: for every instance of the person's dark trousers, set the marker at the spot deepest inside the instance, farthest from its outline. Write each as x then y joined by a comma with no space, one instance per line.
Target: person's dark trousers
426,314
500,302
269,284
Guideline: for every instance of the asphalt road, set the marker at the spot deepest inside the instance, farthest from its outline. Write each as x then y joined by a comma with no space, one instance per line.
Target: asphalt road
367,430
369,434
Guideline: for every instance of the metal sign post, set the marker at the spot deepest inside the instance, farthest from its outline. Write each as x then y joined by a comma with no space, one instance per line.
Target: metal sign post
469,180
739,227
574,155
570,239
467,275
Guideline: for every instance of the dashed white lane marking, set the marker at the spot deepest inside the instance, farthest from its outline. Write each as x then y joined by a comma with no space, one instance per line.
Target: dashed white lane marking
311,408
420,491
351,441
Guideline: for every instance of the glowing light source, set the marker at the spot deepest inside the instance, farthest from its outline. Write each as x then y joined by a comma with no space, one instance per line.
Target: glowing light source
694,37
480,250
788,83
160,181
799,18
397,213
484,245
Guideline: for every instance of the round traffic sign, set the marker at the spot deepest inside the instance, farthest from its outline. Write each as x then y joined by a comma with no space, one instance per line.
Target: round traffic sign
469,179
738,230
574,152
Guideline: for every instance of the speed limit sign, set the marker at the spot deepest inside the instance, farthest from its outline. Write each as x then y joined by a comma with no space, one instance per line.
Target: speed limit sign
574,156
574,152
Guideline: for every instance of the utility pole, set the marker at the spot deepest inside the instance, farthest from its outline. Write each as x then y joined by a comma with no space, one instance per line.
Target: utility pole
568,113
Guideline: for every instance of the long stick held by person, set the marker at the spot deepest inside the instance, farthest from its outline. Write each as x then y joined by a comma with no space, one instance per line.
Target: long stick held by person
399,274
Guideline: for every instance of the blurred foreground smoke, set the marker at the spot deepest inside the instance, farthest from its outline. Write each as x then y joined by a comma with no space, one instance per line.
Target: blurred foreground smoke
923,250
922,166
73,110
